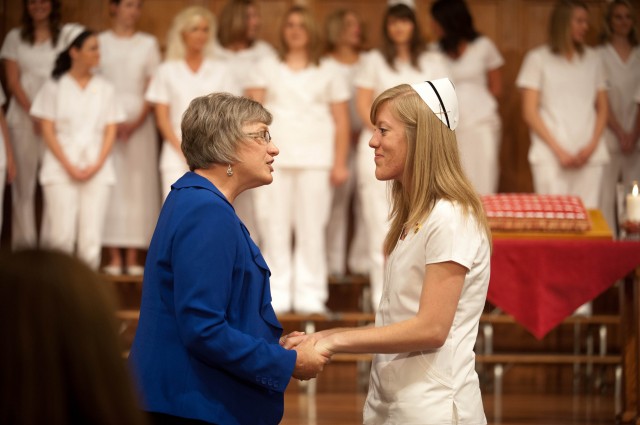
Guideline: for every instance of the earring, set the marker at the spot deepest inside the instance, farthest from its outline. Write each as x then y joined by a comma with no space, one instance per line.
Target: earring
229,171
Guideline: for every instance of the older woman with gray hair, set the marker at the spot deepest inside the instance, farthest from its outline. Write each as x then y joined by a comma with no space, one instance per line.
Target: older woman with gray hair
207,344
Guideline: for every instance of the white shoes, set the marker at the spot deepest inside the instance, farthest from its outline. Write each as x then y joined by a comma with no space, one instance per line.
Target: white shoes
112,270
135,270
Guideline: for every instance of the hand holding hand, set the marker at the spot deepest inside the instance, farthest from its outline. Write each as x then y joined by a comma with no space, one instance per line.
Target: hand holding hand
292,340
309,361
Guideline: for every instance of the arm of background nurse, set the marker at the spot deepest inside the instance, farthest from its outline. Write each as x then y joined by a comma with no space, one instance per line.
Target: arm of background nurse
51,140
602,111
12,71
531,114
429,328
108,138
340,171
164,125
364,100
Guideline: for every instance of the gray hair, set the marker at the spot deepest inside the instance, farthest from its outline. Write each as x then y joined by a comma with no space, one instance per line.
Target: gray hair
212,128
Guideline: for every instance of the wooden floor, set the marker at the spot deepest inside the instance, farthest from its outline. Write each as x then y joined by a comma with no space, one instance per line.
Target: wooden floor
517,409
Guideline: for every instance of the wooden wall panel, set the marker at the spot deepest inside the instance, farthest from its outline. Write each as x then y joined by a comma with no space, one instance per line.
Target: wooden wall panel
514,25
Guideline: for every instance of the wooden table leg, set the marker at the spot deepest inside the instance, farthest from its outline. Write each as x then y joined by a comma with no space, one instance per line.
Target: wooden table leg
630,349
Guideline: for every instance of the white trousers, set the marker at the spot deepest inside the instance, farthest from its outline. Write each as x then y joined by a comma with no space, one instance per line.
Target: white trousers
27,151
375,211
623,168
296,204
73,218
479,147
585,182
338,228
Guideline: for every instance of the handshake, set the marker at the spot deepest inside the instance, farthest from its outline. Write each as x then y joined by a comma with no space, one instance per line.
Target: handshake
313,353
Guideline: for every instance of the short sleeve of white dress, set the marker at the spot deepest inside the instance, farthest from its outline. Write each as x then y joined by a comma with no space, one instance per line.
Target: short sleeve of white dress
530,75
159,86
339,90
44,105
492,57
10,45
451,235
366,75
259,79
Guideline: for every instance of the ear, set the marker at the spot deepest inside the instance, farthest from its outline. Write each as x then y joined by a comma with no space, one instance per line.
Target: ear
73,52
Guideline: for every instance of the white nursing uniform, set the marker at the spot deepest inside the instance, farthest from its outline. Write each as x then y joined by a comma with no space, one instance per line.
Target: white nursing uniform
568,90
3,162
299,198
440,386
375,74
176,85
35,62
128,63
623,80
242,63
479,131
337,229
74,211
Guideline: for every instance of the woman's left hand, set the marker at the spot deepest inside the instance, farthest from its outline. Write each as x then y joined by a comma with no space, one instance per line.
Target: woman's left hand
292,340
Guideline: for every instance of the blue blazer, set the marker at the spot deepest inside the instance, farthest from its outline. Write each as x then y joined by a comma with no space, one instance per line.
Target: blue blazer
206,346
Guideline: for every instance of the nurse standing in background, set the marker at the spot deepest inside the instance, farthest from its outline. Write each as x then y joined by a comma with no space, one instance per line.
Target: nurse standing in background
564,101
239,46
620,56
308,99
29,53
77,173
185,74
128,59
402,58
475,64
7,163
343,36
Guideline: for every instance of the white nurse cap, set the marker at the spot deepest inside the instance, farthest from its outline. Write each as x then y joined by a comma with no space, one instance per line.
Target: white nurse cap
71,32
410,3
440,97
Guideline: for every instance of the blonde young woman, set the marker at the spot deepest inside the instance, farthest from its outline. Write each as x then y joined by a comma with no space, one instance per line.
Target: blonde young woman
128,59
308,99
186,73
403,57
620,54
437,271
344,40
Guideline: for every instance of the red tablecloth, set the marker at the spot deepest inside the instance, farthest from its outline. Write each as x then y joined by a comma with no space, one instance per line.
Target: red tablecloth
541,282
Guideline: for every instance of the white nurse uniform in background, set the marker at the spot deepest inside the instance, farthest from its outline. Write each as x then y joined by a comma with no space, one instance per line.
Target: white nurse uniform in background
376,75
74,212
337,253
623,80
299,198
440,386
568,90
242,63
128,63
176,85
479,131
35,62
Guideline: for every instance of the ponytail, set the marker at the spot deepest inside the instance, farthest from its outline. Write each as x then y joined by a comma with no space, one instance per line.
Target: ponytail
63,61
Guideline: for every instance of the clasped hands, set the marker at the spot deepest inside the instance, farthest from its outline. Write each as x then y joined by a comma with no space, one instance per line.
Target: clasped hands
313,355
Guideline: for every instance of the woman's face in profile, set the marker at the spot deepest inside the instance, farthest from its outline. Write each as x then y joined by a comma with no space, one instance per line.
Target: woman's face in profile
389,143
88,54
256,156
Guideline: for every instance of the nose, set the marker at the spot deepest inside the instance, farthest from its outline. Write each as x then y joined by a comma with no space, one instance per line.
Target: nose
373,142
272,149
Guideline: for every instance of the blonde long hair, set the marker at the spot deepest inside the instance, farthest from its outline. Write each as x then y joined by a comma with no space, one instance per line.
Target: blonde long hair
432,171
184,21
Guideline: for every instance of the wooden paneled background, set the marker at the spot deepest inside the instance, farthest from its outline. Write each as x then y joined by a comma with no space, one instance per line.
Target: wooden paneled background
514,25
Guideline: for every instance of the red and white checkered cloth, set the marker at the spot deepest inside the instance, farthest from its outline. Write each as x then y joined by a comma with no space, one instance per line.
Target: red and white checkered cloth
530,211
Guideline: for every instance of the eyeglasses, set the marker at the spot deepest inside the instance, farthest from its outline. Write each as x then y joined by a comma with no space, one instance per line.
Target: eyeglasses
264,136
